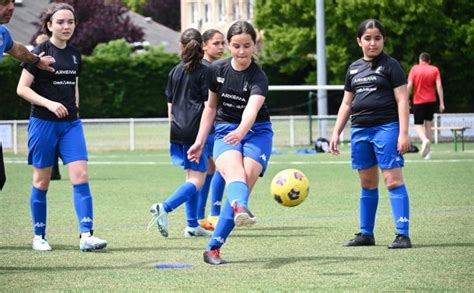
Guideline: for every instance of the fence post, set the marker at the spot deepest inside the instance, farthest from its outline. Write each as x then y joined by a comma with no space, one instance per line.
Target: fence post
132,134
292,131
15,138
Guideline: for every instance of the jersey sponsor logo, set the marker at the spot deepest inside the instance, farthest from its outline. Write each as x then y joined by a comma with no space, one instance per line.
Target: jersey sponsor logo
220,79
86,220
65,72
233,97
354,71
366,89
39,225
403,220
365,79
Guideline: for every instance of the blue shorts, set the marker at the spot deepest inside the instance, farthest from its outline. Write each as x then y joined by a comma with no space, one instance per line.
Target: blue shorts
179,157
48,139
210,144
257,144
376,145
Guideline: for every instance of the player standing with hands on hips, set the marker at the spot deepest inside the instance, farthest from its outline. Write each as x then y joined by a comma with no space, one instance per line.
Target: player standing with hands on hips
20,52
243,131
376,99
55,126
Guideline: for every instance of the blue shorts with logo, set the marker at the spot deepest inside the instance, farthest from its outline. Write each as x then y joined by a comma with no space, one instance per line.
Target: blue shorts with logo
257,144
376,145
179,157
47,139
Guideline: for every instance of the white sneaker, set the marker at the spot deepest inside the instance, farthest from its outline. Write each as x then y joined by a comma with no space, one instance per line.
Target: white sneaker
192,232
425,148
91,243
160,217
428,156
41,244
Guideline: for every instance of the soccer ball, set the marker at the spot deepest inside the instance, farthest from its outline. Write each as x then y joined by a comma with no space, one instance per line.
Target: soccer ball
290,187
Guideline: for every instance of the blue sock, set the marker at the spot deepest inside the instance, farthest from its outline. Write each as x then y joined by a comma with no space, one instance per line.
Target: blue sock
181,195
191,205
38,210
202,197
369,199
83,206
238,191
400,209
217,192
223,228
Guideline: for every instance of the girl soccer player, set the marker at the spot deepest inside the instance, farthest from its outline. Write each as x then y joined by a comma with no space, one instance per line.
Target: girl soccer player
243,131
375,94
55,126
213,46
186,92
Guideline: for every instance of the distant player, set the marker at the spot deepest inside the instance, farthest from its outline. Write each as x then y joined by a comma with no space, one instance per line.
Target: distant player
186,92
213,46
425,79
54,126
18,51
243,131
376,99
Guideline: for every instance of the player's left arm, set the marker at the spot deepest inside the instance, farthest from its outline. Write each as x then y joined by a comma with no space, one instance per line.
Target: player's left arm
439,89
20,52
77,92
401,97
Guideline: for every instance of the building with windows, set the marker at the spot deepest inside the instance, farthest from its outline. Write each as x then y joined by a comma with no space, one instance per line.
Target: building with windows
216,14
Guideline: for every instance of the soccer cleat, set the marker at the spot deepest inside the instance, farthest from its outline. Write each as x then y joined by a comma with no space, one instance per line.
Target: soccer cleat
41,244
361,240
212,220
213,256
206,225
428,156
242,216
192,232
401,241
425,148
91,243
160,217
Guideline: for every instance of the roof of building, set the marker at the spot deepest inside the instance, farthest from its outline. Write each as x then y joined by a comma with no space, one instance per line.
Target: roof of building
22,26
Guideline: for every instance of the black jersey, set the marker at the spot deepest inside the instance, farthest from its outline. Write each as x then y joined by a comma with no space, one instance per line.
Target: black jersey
373,100
187,92
234,89
58,86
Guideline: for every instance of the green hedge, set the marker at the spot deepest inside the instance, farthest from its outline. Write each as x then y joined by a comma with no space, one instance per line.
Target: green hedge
126,86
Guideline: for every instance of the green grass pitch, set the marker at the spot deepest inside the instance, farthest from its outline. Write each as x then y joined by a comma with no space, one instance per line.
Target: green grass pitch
290,249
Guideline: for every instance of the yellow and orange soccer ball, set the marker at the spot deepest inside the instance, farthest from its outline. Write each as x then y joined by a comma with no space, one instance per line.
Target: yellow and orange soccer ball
290,187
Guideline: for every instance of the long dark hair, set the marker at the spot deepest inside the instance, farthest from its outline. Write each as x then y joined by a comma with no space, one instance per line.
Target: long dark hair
55,7
370,24
192,51
208,34
241,27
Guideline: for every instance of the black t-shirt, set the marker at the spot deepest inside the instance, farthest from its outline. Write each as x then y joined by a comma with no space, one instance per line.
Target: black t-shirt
58,86
187,92
234,89
373,100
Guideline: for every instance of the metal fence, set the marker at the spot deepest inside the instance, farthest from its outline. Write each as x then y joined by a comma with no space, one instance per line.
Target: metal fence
153,133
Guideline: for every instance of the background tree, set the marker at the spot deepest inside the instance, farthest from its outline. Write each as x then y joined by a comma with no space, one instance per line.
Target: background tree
100,22
166,12
444,28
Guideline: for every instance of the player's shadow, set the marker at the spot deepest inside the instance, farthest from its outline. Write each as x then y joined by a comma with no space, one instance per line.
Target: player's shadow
278,262
290,231
284,228
11,270
428,245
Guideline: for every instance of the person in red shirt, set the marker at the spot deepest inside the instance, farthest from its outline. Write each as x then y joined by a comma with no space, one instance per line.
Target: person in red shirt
424,78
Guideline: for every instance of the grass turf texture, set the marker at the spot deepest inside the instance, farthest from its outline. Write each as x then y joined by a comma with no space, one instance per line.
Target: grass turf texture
290,249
